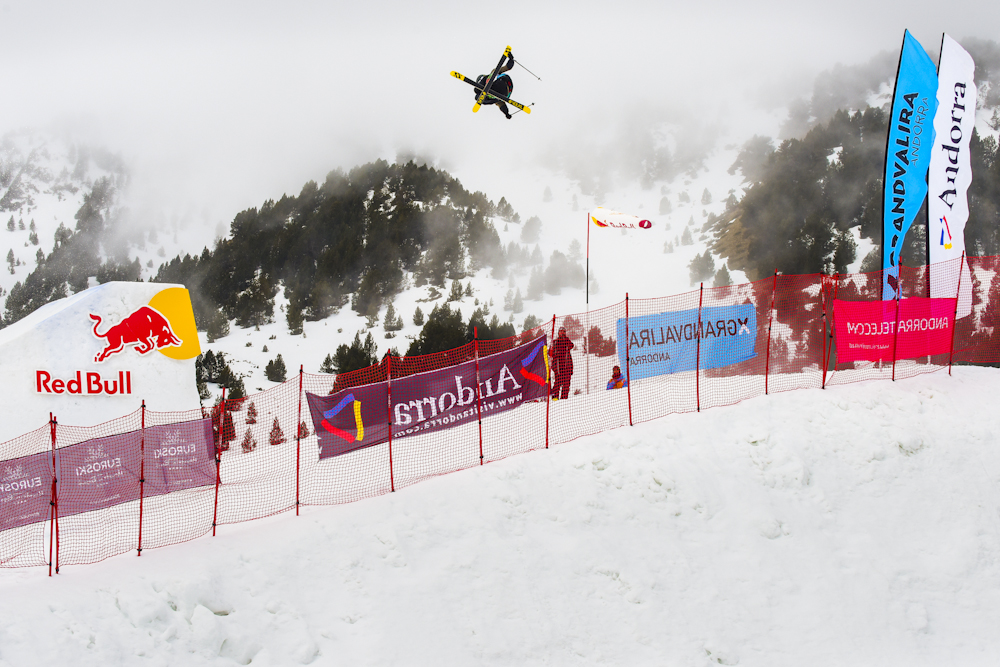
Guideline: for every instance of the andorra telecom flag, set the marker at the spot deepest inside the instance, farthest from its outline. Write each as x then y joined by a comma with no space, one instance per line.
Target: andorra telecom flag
908,148
950,176
605,217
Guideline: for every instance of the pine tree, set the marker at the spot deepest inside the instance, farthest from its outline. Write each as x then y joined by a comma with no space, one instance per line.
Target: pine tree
327,365
665,207
702,267
294,318
531,230
518,304
508,300
536,284
275,370
248,444
706,197
356,355
277,436
251,413
392,321
456,291
418,317
10,260
303,431
20,224
686,237
10,224
722,277
547,195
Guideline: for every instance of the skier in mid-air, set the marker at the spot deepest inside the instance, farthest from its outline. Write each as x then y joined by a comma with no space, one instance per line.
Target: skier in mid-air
502,85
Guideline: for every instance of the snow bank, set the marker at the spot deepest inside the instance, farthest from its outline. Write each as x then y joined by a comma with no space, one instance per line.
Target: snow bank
855,525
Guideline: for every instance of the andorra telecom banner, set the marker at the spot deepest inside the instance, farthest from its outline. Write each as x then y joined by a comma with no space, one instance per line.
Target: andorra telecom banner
422,403
669,342
950,176
910,141
888,330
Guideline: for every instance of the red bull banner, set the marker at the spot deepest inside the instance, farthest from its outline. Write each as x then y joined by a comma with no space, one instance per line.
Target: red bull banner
103,472
605,217
888,330
426,402
25,490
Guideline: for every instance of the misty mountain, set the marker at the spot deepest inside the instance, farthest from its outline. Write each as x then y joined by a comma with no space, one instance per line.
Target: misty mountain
807,195
358,238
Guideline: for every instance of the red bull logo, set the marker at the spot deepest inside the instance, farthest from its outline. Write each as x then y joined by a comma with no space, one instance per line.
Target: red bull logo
146,329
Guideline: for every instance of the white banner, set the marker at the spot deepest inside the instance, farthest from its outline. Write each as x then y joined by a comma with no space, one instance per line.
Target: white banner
950,175
605,217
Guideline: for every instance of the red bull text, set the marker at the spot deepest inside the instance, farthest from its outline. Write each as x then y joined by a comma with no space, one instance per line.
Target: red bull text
84,384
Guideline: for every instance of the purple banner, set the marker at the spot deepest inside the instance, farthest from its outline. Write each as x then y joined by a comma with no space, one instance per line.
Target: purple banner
103,472
25,490
358,417
442,399
351,419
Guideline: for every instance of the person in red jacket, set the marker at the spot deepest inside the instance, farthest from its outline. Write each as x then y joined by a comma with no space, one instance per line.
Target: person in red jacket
562,364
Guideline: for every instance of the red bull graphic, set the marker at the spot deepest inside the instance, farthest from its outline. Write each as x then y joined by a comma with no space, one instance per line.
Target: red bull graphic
146,328
603,217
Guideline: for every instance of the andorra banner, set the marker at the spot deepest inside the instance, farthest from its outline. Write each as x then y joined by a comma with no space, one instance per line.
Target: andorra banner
426,402
911,139
950,175
877,331
668,342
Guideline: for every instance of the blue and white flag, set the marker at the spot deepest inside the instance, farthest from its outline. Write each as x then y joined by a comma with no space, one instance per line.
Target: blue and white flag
911,140
668,342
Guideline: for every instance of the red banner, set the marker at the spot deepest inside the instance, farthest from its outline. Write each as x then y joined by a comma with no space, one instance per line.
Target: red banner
25,490
887,330
103,472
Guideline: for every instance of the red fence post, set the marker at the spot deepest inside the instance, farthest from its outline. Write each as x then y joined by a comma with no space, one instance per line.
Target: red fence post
388,379
628,364
697,363
770,321
54,500
298,445
548,381
833,320
142,473
895,332
954,320
479,413
218,461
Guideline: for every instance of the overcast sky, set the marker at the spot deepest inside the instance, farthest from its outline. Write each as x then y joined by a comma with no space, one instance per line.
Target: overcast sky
224,104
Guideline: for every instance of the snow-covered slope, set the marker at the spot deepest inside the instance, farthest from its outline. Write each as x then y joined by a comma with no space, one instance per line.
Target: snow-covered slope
856,525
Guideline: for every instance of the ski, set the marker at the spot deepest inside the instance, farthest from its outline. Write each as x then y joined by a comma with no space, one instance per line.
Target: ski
475,85
493,75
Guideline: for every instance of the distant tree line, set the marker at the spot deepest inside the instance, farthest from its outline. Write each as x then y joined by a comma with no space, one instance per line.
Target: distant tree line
805,195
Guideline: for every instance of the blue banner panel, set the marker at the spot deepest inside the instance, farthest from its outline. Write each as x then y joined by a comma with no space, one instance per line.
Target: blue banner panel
668,342
911,138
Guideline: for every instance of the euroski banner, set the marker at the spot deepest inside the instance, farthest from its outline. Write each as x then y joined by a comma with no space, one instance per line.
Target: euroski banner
950,175
876,331
911,139
668,342
426,402
104,472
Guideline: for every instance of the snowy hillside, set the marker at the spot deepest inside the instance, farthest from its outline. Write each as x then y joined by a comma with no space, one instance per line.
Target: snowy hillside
856,525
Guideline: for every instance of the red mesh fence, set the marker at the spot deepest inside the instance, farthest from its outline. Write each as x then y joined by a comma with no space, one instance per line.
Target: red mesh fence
74,495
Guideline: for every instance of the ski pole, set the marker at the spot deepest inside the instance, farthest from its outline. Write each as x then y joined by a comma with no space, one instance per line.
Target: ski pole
528,70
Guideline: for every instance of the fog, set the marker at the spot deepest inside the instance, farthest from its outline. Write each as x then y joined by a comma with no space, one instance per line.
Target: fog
218,106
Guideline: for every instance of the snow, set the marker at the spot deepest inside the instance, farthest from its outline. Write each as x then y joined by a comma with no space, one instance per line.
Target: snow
855,525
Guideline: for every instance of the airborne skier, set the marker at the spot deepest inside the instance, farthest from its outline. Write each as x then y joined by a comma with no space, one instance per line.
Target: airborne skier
502,85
